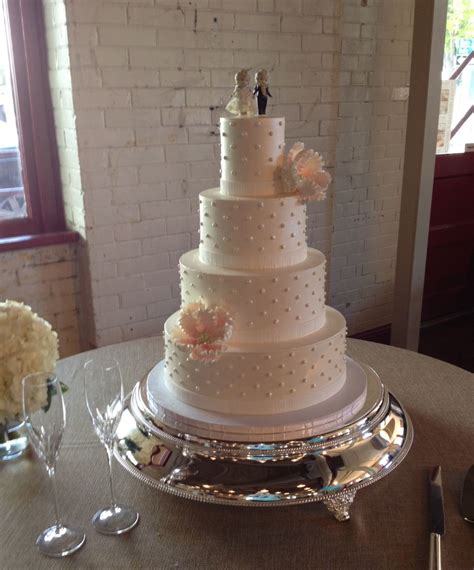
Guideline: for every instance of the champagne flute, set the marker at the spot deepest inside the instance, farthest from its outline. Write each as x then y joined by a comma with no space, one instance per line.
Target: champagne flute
45,420
104,398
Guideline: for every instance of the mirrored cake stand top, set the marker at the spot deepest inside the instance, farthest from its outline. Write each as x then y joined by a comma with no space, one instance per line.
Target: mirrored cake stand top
182,456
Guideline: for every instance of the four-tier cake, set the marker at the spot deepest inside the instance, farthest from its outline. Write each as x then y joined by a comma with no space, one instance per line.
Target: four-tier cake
254,335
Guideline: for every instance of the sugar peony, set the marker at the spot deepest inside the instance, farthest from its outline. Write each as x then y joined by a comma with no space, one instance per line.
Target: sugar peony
27,345
303,172
204,329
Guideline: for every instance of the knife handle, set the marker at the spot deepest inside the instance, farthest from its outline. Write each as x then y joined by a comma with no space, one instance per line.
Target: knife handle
435,551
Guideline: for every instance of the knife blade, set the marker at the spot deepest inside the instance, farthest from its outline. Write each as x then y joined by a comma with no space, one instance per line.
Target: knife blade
437,518
467,496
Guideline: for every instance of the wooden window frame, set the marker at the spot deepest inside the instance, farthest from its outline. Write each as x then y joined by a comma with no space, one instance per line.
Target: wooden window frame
37,141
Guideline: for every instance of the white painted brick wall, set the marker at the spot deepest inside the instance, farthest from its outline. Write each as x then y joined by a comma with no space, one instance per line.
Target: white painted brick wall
46,278
365,241
64,115
67,123
149,79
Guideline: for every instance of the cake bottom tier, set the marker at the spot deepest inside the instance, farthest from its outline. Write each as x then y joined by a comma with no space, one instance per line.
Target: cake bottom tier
361,387
261,378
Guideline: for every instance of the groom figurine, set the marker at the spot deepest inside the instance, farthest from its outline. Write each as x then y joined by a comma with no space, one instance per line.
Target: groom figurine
261,90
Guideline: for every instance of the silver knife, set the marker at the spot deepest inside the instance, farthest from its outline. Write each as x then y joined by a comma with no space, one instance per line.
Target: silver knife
437,518
467,497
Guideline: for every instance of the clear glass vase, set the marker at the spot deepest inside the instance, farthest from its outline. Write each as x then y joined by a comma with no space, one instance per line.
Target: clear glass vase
13,440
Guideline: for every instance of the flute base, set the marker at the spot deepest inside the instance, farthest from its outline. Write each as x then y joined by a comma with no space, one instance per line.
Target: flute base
59,541
115,520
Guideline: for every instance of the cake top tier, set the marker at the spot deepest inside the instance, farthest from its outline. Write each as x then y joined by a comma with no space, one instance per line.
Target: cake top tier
252,149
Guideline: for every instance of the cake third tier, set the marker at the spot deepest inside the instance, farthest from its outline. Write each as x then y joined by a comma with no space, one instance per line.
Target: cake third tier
266,306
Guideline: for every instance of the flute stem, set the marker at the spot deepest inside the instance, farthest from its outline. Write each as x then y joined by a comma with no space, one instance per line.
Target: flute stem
52,477
111,477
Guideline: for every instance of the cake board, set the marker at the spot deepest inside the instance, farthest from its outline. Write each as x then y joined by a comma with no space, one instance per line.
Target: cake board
329,466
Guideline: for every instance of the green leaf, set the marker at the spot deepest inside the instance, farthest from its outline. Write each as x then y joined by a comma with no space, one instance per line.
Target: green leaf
459,23
51,391
131,445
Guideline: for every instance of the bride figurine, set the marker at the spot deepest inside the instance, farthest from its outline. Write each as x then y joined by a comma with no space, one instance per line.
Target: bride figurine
242,101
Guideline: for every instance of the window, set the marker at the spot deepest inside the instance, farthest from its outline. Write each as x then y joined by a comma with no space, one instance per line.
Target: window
30,196
456,119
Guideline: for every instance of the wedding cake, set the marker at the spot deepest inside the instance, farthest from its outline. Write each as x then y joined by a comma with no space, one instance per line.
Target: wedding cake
256,401
254,335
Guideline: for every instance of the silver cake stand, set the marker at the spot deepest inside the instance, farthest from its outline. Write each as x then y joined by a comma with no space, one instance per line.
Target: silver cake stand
329,467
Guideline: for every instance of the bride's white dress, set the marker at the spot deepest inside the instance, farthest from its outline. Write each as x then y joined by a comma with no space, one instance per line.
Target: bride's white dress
242,102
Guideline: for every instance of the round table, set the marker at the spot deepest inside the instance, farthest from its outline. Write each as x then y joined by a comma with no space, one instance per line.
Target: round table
389,526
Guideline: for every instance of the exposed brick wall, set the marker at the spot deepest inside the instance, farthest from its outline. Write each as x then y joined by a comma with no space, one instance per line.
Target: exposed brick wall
46,279
369,130
67,123
149,79
64,115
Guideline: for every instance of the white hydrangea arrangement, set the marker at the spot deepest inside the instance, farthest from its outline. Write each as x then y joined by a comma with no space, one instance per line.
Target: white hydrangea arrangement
28,344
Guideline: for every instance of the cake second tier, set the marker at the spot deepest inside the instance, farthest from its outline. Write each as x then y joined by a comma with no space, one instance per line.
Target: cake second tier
243,232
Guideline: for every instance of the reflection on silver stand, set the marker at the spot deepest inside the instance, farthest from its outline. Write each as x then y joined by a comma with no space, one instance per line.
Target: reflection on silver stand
329,467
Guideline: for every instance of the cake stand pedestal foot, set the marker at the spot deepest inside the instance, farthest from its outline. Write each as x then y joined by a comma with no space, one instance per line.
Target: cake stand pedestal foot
340,504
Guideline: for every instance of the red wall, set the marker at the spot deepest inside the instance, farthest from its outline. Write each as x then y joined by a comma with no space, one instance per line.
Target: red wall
449,278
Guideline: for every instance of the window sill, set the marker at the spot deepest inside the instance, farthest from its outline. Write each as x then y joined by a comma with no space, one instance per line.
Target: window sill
39,240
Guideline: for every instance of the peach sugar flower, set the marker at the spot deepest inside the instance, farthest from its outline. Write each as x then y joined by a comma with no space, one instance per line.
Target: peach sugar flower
203,329
303,172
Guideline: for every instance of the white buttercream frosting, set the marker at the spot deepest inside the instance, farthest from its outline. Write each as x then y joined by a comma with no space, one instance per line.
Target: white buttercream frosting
262,378
251,152
250,232
287,349
271,305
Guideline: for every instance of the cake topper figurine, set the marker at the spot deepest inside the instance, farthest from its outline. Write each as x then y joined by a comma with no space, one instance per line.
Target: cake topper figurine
242,101
261,90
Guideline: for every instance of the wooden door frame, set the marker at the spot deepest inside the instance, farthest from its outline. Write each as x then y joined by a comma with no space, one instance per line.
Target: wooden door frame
420,153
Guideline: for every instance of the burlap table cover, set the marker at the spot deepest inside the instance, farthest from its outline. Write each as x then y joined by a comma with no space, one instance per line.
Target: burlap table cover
389,525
